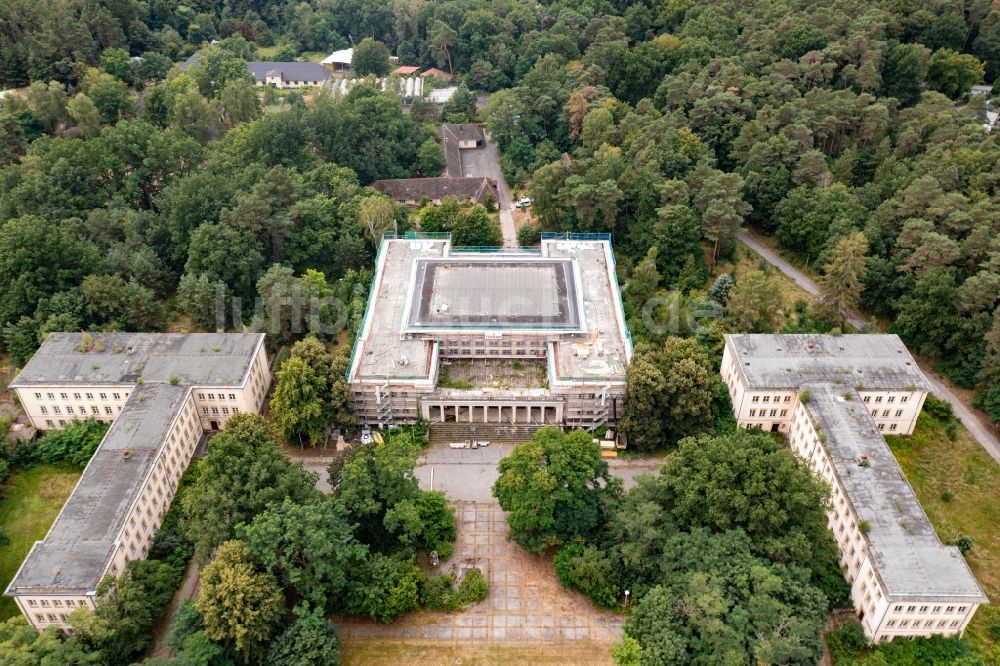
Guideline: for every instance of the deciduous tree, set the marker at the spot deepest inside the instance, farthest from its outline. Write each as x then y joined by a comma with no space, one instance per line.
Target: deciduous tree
243,473
370,57
241,606
556,488
308,547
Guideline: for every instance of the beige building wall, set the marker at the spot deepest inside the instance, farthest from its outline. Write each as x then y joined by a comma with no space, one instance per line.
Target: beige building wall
53,407
141,521
43,611
895,410
882,617
201,407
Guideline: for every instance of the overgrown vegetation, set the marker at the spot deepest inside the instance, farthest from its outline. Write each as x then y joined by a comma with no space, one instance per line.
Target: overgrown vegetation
958,485
73,446
724,509
849,647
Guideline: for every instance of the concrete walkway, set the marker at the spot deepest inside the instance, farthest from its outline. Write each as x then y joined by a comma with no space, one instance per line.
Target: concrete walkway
974,421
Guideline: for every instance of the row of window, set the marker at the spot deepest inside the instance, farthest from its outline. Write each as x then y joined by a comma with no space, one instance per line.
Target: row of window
886,412
57,410
225,411
891,398
51,617
76,396
927,624
211,396
774,413
492,351
767,398
927,609
56,603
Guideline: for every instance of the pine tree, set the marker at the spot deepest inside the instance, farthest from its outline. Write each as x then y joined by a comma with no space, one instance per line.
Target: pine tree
841,285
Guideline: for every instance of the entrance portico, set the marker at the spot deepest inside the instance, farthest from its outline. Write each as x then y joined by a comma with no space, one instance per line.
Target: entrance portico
492,412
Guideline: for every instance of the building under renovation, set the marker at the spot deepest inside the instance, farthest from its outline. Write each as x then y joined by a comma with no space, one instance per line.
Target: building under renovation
513,337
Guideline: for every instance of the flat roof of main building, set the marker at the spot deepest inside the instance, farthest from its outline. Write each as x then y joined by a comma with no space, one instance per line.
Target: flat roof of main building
80,543
868,361
493,292
909,556
205,359
566,292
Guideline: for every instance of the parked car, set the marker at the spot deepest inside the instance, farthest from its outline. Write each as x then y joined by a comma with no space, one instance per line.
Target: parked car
523,202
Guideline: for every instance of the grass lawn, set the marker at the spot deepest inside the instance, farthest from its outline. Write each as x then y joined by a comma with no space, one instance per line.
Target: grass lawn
379,652
31,500
748,260
971,506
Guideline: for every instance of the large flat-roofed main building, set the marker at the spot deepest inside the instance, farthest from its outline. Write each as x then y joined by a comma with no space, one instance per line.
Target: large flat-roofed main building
834,397
160,392
520,337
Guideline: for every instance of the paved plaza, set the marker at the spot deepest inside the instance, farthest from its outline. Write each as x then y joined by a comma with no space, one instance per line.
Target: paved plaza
526,603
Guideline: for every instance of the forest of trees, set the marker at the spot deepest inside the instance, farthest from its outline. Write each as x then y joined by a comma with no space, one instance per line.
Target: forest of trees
136,195
725,552
684,121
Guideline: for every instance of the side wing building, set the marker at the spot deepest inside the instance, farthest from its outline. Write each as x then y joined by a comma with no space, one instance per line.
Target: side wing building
834,397
160,392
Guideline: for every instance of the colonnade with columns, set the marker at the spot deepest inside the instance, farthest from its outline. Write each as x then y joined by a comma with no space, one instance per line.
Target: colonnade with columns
493,412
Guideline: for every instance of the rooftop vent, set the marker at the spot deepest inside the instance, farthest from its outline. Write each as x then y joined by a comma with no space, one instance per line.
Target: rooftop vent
810,345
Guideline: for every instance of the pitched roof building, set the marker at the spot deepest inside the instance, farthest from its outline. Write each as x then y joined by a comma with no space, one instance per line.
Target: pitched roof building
436,73
412,190
456,137
338,60
288,74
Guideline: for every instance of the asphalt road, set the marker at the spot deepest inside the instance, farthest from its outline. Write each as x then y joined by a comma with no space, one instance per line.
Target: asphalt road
485,162
974,421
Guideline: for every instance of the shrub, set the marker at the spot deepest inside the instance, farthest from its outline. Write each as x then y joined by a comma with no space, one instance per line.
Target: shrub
4,539
588,570
947,495
940,409
529,234
439,593
805,397
964,544
74,445
473,588
864,526
846,642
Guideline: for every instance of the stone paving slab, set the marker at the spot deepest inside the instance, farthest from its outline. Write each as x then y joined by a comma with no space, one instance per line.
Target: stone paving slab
526,603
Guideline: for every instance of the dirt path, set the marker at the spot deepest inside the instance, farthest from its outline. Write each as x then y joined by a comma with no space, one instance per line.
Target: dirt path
974,420
187,590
